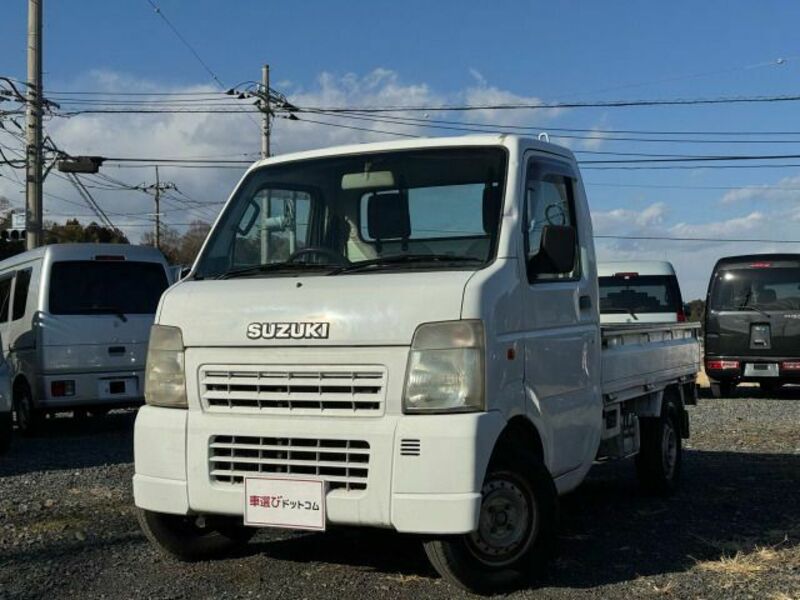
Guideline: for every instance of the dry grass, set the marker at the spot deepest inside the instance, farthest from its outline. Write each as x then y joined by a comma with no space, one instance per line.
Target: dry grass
742,563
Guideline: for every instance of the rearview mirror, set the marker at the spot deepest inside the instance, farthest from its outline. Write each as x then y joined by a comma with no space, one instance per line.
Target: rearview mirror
556,251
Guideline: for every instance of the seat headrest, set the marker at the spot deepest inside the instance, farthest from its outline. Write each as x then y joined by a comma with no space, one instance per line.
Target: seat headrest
388,217
491,208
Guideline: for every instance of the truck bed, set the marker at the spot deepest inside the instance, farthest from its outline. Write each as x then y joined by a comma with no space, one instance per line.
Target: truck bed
643,358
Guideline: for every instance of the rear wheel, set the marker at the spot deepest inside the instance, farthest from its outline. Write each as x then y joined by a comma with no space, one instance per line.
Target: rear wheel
722,389
515,536
191,538
658,463
6,427
29,417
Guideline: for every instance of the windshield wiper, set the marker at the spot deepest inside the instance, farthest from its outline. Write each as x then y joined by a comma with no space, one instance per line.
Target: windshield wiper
401,259
272,267
621,309
753,308
747,306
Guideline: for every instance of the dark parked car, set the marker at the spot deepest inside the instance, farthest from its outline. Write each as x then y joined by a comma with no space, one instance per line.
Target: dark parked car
752,322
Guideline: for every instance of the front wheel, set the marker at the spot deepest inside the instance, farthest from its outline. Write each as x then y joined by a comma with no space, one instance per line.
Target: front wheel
658,463
6,427
515,536
192,538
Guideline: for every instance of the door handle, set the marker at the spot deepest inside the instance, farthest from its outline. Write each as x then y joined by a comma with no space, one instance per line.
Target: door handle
585,302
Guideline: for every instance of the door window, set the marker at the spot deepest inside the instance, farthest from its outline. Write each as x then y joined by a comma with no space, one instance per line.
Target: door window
549,200
21,293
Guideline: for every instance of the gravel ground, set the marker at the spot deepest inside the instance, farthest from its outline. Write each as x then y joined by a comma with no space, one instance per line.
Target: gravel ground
67,529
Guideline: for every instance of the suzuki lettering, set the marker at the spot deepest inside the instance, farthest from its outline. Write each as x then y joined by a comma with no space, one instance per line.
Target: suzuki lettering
288,331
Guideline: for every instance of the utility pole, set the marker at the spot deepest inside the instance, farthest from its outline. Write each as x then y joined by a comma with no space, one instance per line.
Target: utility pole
266,116
156,190
33,129
158,211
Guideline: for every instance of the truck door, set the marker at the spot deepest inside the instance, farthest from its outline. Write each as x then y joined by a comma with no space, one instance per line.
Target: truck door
560,321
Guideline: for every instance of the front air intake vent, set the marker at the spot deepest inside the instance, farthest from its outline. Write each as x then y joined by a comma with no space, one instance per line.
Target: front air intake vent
410,447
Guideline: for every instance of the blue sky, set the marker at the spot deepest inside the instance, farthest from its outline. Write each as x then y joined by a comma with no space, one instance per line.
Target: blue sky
465,50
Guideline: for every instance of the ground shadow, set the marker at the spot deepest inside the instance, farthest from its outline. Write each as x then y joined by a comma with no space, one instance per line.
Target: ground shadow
610,531
69,443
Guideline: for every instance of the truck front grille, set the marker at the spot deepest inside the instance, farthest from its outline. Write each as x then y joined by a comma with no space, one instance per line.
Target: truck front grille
302,390
344,464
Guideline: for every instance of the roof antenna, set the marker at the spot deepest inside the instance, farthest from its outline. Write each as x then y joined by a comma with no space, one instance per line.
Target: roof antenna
544,137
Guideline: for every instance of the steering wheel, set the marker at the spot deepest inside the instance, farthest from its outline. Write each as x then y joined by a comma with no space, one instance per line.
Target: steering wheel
334,257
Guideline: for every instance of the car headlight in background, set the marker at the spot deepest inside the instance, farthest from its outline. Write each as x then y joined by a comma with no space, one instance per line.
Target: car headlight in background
445,368
165,373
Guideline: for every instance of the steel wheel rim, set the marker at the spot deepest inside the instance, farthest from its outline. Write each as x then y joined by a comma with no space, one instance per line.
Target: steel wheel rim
507,523
669,455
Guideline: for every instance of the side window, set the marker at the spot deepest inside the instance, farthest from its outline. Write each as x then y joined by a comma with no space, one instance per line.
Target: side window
21,294
549,200
5,296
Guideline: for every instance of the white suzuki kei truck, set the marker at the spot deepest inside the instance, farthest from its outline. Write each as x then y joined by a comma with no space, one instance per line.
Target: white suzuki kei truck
75,320
401,335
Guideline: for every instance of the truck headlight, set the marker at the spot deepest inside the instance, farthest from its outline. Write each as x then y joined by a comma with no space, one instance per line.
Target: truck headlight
445,368
165,373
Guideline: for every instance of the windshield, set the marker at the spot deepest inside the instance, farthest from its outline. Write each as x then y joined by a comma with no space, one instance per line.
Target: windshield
418,209
113,287
639,294
773,288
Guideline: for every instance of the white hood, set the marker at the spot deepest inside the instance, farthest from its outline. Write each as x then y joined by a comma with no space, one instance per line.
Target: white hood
378,309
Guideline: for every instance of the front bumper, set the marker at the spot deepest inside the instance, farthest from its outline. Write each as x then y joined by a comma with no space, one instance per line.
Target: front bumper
424,476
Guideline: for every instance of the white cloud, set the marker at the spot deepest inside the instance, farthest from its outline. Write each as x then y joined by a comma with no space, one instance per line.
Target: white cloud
787,188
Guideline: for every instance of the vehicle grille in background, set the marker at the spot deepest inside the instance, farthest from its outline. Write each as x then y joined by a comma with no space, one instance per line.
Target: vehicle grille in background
297,390
344,464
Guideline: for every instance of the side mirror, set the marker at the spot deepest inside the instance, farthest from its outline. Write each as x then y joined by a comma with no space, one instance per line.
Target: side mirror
556,251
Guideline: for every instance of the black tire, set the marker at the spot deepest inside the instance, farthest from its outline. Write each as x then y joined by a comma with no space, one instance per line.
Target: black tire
770,387
658,464
29,418
6,428
477,563
722,389
190,538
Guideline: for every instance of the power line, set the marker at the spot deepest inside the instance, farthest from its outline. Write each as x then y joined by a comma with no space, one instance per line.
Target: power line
550,105
684,167
696,239
606,135
747,187
185,42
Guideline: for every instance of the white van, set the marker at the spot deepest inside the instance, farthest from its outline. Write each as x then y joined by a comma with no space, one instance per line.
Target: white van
642,291
75,321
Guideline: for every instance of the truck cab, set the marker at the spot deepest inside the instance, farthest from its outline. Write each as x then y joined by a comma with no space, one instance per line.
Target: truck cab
401,335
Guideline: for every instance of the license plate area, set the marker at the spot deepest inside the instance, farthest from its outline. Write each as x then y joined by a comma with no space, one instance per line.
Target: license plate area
285,502
761,370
